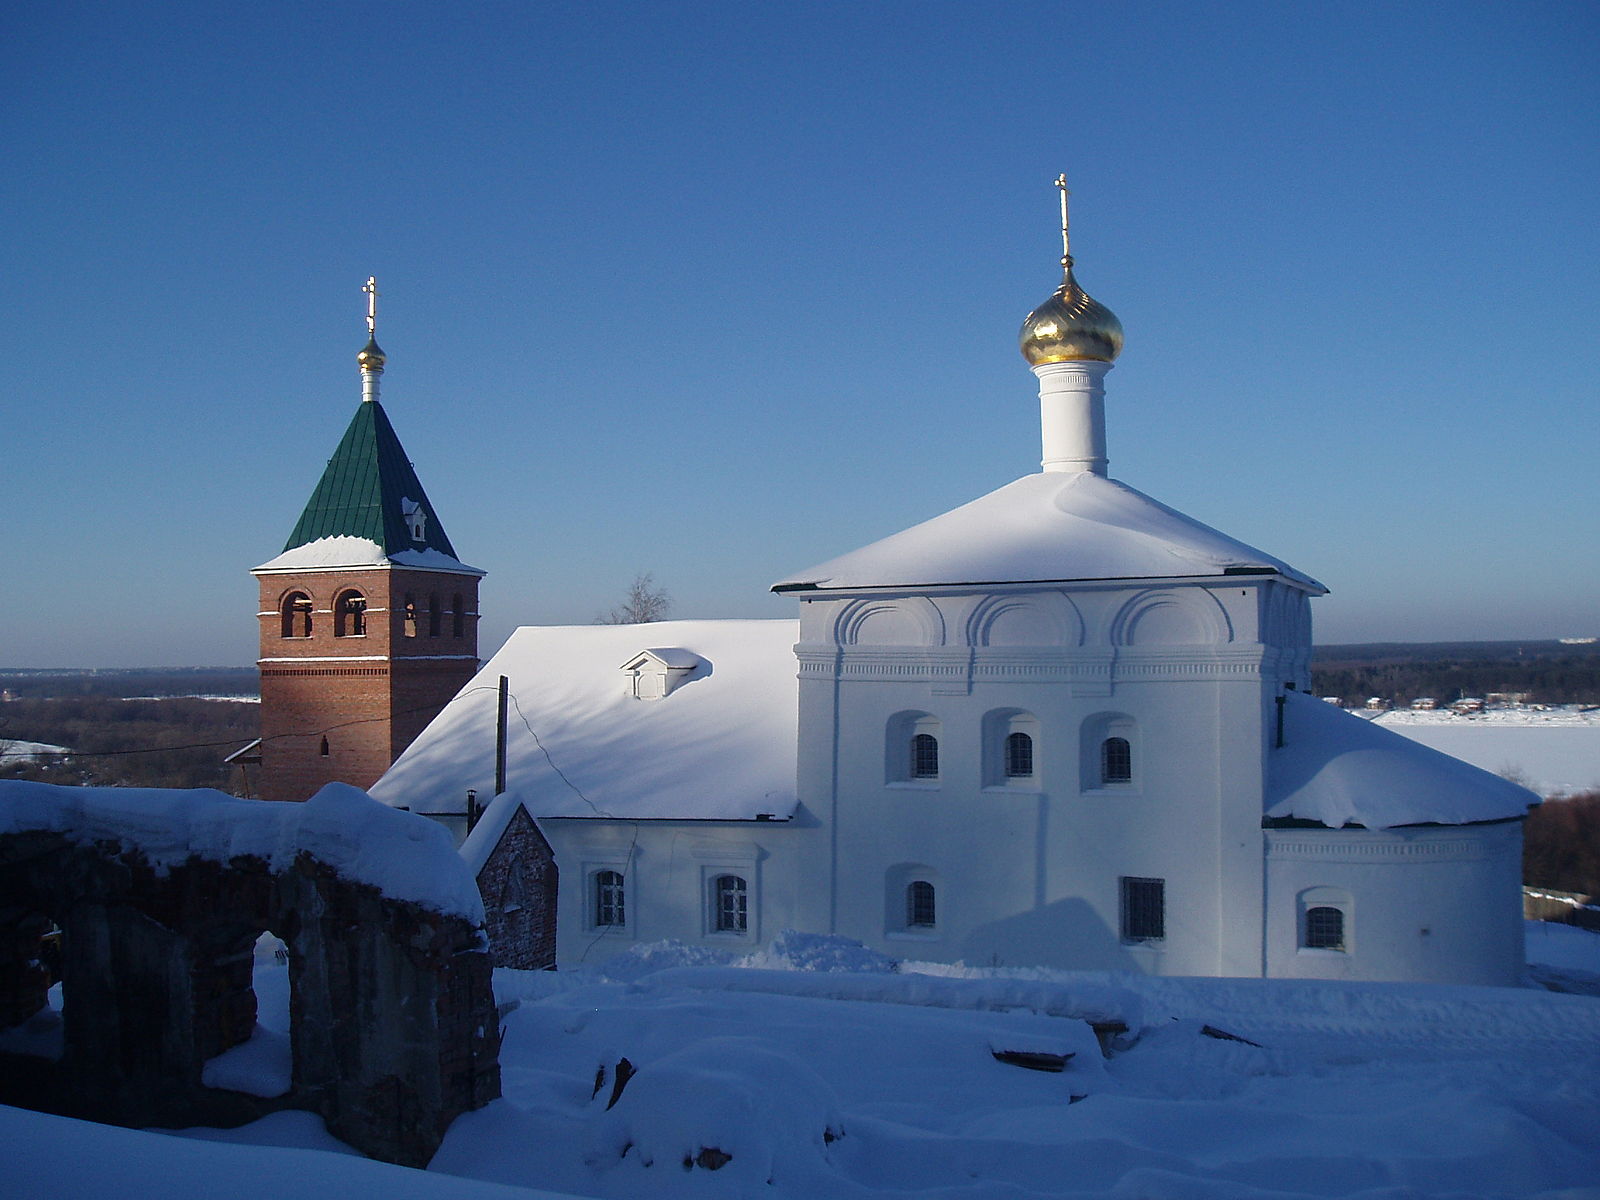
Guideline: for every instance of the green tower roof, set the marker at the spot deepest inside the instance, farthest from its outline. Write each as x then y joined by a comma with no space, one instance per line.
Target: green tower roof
369,490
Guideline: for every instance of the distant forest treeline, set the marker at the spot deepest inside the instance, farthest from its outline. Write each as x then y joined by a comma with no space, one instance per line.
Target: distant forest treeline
1547,672
167,742
144,681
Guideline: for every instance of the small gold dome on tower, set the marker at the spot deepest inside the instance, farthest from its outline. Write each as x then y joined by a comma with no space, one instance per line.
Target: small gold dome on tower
371,358
1070,325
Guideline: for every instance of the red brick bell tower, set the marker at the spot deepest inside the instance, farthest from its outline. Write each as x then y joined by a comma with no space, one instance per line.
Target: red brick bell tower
369,622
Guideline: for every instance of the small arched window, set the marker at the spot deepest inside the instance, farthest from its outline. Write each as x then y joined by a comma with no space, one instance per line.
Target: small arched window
409,616
296,614
458,617
435,615
924,756
733,904
920,910
609,900
324,747
350,615
1019,756
1116,760
1324,928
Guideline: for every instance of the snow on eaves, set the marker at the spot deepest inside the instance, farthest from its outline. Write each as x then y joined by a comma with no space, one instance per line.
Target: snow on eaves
1042,528
720,747
405,857
347,551
1337,769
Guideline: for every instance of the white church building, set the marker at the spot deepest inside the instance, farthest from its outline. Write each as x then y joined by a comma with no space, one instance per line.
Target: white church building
1062,725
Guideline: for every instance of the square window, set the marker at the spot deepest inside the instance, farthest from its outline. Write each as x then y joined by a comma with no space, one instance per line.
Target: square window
1144,909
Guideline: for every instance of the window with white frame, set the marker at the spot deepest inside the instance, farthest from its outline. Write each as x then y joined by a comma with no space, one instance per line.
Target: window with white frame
911,749
731,900
1324,919
1144,909
910,901
1109,752
1010,749
610,900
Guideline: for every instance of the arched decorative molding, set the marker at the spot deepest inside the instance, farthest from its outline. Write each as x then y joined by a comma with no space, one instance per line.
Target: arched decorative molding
1171,617
906,621
1041,619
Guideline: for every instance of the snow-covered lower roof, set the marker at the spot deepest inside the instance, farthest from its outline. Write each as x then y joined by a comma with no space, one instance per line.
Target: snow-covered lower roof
404,857
720,747
344,550
1337,769
1046,527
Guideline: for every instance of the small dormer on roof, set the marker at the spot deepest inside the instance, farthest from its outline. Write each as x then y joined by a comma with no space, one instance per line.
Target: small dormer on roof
653,674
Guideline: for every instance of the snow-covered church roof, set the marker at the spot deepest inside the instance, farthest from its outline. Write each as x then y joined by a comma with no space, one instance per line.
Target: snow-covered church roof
1337,769
721,746
1054,526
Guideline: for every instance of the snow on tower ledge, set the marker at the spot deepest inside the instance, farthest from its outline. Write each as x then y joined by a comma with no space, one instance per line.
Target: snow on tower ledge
406,857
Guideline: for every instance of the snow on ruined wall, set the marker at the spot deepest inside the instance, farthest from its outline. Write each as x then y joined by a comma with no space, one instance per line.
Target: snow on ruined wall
406,857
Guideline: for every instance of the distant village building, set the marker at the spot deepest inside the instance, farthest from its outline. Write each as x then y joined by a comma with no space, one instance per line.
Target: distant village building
1062,725
369,621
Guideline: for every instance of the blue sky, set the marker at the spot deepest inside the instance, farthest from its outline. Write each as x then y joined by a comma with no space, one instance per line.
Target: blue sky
719,291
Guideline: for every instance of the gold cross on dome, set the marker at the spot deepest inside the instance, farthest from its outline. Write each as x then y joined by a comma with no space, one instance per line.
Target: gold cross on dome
1061,182
371,289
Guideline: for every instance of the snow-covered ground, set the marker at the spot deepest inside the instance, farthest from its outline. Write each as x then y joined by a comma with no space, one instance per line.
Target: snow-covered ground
823,1075
1553,751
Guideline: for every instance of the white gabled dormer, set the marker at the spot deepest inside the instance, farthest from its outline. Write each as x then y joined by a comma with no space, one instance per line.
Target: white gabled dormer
654,673
416,518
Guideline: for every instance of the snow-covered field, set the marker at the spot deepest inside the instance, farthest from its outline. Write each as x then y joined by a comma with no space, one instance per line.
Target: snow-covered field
1553,751
823,1075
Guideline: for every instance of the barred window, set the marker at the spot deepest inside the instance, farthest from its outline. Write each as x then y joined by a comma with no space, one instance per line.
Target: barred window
924,756
733,904
1324,928
1116,760
435,615
1019,756
920,910
1144,909
609,899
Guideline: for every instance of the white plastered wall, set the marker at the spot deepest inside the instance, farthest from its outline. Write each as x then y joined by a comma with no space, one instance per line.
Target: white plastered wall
1428,904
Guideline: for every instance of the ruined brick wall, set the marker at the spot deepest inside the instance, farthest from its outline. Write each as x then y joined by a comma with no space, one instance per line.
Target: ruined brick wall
394,1029
518,883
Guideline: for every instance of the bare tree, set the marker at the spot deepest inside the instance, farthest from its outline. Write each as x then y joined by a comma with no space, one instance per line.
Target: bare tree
645,602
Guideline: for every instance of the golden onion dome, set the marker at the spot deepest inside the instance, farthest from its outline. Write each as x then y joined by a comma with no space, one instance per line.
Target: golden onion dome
371,358
1069,326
